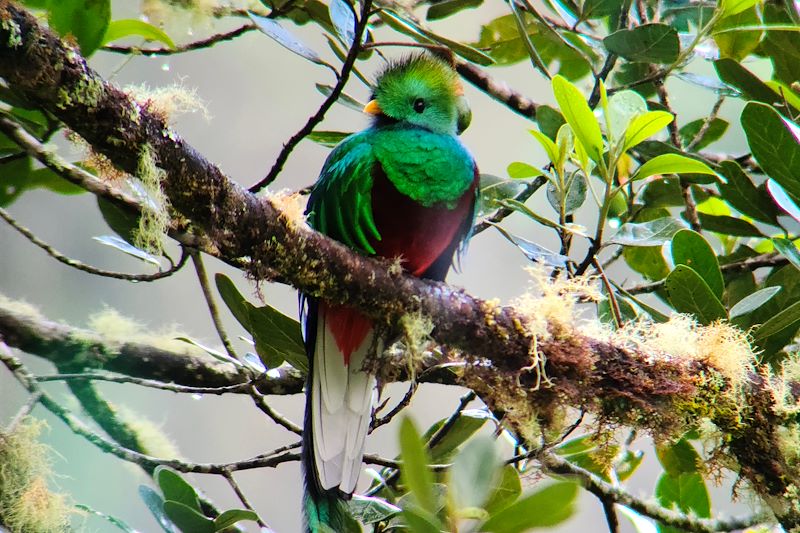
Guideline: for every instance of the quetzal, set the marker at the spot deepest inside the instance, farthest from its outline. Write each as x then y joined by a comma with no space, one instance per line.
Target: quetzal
403,188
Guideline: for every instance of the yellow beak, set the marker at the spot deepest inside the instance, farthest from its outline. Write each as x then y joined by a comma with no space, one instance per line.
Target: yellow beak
373,108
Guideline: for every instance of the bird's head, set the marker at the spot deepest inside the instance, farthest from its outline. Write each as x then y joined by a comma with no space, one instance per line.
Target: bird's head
422,90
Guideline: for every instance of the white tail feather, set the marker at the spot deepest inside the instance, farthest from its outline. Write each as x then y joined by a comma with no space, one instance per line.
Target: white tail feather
341,410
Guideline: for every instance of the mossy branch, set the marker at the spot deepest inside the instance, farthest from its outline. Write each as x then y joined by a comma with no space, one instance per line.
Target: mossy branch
620,382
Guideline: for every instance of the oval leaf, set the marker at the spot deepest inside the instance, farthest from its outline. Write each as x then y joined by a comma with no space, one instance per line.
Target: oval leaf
779,322
689,294
415,472
520,170
691,249
544,508
645,126
774,144
651,233
649,43
86,20
671,164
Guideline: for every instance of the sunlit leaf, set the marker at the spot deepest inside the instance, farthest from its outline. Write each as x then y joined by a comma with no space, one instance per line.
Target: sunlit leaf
645,126
671,164
579,116
788,249
118,29
520,170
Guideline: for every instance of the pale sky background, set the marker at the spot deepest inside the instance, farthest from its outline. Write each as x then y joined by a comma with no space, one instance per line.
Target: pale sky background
257,95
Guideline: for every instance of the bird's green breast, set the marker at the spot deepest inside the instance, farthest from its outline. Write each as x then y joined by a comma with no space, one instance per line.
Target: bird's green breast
428,167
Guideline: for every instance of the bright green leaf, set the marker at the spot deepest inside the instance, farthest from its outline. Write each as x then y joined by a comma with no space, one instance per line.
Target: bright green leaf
579,116
327,138
118,29
467,423
549,146
645,126
732,7
519,170
671,164
738,44
648,43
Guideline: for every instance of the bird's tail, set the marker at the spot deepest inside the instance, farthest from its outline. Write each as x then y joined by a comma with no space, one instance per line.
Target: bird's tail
339,399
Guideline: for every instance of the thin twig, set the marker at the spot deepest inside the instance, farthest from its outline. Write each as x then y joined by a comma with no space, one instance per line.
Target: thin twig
80,428
611,59
501,213
317,117
612,520
498,90
83,267
402,404
24,411
612,298
261,403
228,475
592,482
239,388
706,124
196,45
213,310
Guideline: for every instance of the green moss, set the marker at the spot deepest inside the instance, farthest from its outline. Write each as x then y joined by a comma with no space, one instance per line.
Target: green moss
86,92
14,33
153,223
26,502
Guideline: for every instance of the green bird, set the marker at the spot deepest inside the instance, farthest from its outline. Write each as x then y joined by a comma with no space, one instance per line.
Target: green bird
403,188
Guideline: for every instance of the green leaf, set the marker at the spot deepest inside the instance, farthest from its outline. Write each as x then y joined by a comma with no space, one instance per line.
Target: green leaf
627,465
595,9
745,197
419,33
277,337
369,510
691,249
648,43
788,250
645,126
737,44
467,423
505,491
573,199
549,120
421,521
155,503
234,300
344,20
732,7
579,116
689,294
494,190
686,493
115,242
175,488
232,516
651,233
750,85
549,146
782,47
605,311
187,519
520,170
678,457
415,473
118,29
86,20
779,322
728,225
774,144
474,471
273,29
444,9
671,164
716,129
544,508
753,301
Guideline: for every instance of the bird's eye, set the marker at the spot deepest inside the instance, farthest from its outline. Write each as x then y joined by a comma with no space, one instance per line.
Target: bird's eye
419,105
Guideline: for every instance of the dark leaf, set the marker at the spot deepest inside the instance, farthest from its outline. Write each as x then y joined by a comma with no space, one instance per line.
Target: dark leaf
575,196
445,8
782,47
649,43
595,9
782,198
236,303
678,457
691,249
774,144
751,87
549,120
728,225
745,197
187,519
277,337
715,131
779,322
85,20
175,488
689,294
788,249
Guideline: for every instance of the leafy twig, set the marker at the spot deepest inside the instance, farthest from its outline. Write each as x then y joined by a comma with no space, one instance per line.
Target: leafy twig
317,117
196,45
